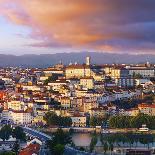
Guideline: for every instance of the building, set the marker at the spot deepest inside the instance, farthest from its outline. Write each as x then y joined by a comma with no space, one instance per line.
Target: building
77,71
98,112
88,61
17,117
125,82
78,121
119,72
144,72
148,109
87,82
65,102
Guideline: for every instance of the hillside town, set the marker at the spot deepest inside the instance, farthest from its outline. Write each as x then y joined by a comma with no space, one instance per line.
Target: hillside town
76,96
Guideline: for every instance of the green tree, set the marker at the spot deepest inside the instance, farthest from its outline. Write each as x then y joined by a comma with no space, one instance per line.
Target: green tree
19,133
96,121
54,77
93,142
58,149
5,132
52,119
59,137
7,153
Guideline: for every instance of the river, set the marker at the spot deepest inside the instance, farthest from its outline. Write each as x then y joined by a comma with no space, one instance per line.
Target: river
84,139
81,139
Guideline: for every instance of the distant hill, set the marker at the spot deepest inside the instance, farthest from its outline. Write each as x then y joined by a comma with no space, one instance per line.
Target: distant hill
45,60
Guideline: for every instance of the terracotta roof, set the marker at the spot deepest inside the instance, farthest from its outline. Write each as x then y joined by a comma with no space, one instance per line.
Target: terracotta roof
78,66
146,105
31,149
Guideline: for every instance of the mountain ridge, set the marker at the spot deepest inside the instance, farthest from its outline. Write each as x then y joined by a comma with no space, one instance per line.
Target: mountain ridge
45,60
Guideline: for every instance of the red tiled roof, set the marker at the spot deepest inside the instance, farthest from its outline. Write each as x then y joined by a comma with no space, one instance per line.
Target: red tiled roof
31,149
78,66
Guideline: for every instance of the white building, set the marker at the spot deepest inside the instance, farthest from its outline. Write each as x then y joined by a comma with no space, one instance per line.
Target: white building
17,117
78,121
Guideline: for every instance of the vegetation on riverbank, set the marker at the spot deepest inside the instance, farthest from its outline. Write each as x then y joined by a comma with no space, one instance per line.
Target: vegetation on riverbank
132,122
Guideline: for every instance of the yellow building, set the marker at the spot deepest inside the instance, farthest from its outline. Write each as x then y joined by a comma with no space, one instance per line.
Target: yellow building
87,82
39,119
115,73
77,71
98,112
65,102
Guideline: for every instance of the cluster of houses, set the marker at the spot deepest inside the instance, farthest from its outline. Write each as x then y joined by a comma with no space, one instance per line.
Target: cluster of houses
76,90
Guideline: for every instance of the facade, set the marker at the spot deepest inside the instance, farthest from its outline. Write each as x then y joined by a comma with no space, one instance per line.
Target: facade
144,72
65,102
17,117
77,71
78,121
87,82
125,82
98,112
119,72
147,109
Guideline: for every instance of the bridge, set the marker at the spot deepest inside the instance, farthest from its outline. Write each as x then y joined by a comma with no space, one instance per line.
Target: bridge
37,134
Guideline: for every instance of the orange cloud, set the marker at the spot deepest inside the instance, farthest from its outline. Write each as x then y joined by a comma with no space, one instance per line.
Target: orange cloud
55,19
76,23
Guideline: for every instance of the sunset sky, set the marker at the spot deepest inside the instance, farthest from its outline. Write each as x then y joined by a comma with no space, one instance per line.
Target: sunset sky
52,26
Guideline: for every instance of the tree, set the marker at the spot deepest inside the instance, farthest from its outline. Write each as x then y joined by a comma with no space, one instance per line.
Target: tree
105,147
52,119
137,75
96,121
59,137
93,142
54,77
5,132
7,153
18,133
58,149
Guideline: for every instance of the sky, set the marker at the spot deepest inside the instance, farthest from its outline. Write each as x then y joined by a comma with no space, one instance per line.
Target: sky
54,26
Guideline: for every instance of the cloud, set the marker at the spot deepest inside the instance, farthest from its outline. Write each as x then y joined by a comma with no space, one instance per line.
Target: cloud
108,25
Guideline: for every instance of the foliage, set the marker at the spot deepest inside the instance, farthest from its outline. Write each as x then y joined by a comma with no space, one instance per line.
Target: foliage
52,119
7,153
18,133
132,122
59,140
93,142
5,132
95,121
58,149
137,76
126,104
54,77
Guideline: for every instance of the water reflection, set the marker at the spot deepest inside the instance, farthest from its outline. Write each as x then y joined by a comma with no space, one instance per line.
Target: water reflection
81,139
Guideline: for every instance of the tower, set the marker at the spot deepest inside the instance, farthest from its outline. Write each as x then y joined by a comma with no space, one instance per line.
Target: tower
88,61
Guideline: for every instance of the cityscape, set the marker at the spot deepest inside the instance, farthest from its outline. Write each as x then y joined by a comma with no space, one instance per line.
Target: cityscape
78,108
77,77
